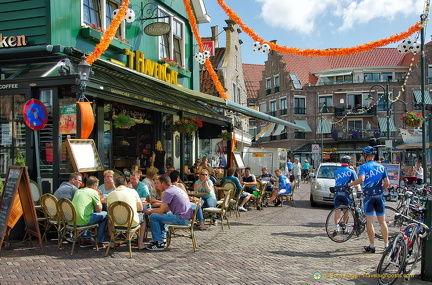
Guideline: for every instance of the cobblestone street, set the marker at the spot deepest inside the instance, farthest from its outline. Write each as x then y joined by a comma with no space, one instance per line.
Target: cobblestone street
279,245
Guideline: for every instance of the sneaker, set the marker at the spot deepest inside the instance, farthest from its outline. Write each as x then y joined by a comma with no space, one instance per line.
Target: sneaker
156,245
278,202
369,249
86,243
265,204
345,230
335,233
242,209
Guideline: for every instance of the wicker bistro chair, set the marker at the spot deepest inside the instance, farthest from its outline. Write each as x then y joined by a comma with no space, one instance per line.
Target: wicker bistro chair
179,230
289,197
221,210
258,201
234,201
48,203
68,223
120,218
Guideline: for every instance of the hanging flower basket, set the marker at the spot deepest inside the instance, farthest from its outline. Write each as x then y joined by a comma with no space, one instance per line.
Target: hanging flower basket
226,136
412,119
187,125
123,122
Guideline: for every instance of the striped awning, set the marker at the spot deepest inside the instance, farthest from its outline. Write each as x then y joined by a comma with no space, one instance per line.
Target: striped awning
324,127
279,130
383,124
304,124
418,97
266,131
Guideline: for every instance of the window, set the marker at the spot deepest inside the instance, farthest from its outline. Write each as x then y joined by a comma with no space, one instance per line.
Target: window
99,13
355,125
276,83
171,45
382,104
263,107
268,86
324,102
357,100
236,93
239,94
430,74
299,135
272,108
296,82
387,76
283,106
299,105
372,77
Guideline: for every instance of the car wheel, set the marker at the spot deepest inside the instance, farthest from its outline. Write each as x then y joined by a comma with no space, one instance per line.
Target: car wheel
312,202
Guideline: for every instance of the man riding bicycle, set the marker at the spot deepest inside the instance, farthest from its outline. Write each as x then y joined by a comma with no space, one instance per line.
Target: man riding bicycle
374,179
343,177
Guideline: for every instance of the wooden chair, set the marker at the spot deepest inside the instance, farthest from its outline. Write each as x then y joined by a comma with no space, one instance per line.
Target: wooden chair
68,223
233,203
221,211
120,219
289,197
48,203
176,230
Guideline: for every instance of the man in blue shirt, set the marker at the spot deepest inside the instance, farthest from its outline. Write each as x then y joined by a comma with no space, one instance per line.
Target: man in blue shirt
374,179
284,187
289,167
239,189
343,177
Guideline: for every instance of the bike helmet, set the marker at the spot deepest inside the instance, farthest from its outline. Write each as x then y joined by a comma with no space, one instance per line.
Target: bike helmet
346,159
369,150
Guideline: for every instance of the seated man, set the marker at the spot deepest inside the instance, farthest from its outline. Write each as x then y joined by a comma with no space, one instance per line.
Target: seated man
284,187
68,188
249,180
267,177
245,195
175,210
89,210
140,187
130,197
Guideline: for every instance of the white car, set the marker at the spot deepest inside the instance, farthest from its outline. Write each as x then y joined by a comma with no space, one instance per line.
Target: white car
322,181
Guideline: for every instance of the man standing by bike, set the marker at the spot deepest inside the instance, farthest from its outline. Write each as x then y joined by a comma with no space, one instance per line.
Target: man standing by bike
343,177
374,179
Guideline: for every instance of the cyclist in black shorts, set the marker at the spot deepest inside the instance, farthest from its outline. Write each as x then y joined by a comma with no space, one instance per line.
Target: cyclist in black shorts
374,179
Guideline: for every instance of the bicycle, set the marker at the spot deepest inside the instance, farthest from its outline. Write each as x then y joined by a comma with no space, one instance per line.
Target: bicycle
403,252
344,221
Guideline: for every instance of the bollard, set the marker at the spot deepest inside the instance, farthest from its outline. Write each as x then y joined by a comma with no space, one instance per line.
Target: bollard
426,262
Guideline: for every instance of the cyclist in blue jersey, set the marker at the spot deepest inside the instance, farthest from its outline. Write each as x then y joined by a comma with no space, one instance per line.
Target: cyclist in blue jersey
343,177
374,179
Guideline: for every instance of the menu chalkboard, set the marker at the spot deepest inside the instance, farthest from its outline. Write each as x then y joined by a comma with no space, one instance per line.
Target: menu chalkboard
17,200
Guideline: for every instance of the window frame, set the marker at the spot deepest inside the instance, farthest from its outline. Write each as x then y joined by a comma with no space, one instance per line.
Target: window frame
174,48
102,16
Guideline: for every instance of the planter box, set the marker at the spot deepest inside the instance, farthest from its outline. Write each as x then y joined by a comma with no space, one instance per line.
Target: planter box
95,36
181,71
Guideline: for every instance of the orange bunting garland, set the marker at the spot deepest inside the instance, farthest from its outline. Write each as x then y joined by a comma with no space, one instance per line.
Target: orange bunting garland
208,64
319,52
109,34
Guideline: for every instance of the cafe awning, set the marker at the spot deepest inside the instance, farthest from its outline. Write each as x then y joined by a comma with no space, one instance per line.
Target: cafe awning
382,122
304,124
211,103
418,97
324,127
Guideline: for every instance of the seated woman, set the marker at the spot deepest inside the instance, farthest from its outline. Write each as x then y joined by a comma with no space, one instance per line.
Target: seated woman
284,187
175,180
205,186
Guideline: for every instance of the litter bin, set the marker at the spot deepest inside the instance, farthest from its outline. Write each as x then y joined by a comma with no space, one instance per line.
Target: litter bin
426,262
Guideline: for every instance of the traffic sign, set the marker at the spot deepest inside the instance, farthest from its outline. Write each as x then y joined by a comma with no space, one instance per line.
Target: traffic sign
316,148
35,114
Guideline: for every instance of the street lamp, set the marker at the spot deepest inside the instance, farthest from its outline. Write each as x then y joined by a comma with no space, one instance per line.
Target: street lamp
84,72
388,106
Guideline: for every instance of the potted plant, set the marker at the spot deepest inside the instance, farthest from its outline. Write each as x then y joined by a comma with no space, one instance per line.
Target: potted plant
123,122
226,136
187,125
412,119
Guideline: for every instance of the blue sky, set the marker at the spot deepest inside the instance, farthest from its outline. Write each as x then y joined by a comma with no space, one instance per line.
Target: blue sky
317,24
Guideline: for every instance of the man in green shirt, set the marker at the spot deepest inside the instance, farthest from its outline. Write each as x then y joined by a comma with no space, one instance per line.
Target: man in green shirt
89,209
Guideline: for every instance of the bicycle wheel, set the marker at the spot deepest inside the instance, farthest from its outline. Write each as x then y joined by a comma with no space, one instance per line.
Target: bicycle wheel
413,247
392,262
393,224
340,224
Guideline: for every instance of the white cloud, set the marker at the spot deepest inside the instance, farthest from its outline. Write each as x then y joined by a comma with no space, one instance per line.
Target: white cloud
302,16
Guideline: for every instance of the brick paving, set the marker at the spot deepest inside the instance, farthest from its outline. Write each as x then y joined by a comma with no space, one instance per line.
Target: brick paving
279,245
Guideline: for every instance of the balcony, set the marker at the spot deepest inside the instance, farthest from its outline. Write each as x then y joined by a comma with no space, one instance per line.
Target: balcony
268,91
355,135
299,110
354,112
283,112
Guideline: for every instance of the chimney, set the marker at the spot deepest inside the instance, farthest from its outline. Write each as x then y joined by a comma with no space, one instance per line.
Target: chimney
215,33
